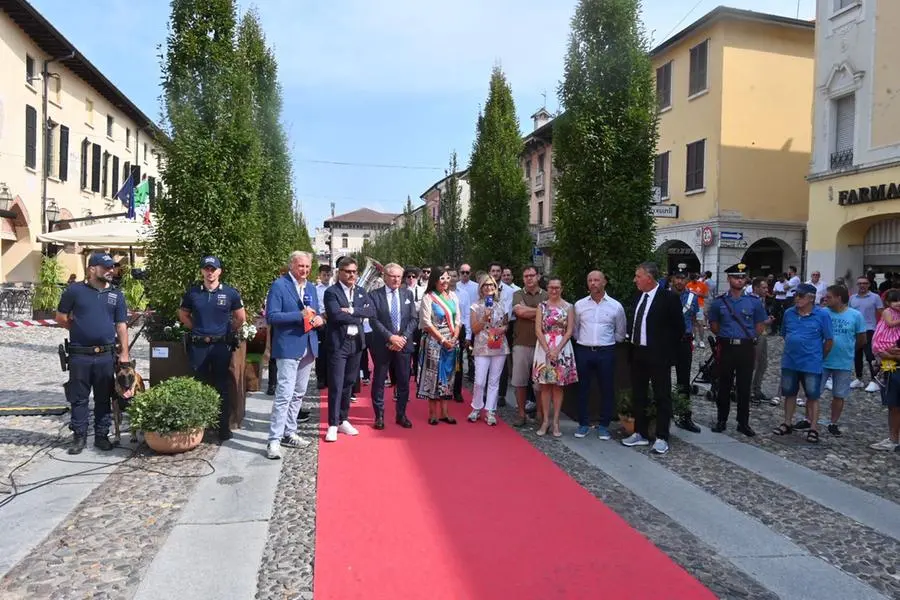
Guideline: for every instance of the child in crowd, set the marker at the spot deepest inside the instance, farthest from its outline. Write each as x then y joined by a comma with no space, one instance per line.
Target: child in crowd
887,331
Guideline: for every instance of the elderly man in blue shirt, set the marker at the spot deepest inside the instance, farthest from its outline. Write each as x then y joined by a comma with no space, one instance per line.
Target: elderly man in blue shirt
808,339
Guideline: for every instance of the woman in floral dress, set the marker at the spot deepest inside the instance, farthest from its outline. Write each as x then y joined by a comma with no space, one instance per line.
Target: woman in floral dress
554,359
439,321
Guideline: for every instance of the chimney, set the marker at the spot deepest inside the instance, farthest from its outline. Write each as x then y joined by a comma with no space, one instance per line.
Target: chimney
541,118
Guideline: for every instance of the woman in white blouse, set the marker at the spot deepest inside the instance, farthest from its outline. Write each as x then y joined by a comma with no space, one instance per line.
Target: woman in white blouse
489,322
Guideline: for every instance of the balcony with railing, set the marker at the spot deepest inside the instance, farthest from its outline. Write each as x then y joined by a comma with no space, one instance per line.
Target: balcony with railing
545,236
539,181
842,159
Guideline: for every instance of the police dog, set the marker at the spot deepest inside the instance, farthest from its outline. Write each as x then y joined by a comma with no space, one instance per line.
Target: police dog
128,383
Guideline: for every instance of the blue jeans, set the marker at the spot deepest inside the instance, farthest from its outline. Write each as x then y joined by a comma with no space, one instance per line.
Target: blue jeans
293,377
88,372
599,362
791,381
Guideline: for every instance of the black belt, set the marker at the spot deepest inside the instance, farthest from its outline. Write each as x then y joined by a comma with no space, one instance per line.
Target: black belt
207,339
92,349
735,341
595,348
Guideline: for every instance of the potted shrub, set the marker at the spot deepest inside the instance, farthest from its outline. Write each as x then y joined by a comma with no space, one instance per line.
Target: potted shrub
168,355
47,290
174,413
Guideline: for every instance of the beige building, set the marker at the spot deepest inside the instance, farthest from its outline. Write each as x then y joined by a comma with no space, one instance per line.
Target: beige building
540,177
68,138
349,231
432,196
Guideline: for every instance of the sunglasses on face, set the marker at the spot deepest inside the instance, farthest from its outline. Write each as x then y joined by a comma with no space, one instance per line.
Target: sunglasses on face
464,272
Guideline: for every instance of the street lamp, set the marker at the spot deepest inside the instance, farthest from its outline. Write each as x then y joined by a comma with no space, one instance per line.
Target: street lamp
5,197
52,211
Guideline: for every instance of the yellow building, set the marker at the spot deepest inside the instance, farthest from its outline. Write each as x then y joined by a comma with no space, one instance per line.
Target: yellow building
68,139
735,99
854,180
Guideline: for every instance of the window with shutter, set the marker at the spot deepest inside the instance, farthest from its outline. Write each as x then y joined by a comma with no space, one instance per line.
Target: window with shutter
136,172
845,118
115,175
104,177
50,149
661,174
695,162
699,62
151,181
63,153
126,171
85,146
664,86
30,137
95,167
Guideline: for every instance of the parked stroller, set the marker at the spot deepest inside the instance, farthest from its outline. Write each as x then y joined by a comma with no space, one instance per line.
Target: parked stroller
708,375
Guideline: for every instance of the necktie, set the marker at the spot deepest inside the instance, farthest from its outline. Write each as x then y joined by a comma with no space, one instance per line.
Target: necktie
639,321
395,310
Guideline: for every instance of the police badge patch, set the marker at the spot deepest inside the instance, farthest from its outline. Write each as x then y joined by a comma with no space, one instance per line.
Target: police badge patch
221,299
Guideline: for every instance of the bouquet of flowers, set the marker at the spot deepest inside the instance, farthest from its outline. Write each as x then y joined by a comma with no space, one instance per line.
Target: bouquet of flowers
246,332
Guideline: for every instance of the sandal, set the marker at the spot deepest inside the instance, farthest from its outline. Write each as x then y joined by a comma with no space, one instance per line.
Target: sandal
812,436
783,429
432,421
448,420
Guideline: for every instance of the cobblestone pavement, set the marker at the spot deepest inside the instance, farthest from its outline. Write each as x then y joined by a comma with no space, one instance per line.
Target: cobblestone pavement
847,458
286,571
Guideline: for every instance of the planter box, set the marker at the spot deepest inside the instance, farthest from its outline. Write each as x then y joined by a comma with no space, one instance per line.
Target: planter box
622,382
38,315
167,360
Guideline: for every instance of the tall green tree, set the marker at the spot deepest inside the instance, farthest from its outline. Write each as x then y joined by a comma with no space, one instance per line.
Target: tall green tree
213,160
497,223
450,226
604,147
411,243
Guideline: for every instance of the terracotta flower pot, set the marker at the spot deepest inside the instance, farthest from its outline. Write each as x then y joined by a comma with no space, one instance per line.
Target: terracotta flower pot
174,443
627,423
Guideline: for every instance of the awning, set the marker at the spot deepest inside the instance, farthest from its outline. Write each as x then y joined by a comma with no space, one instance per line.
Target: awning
115,234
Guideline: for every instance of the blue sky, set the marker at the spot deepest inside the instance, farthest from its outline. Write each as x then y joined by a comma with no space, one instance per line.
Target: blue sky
392,82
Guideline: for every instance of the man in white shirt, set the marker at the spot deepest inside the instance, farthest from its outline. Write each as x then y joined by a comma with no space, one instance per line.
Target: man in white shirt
815,280
600,324
322,359
793,281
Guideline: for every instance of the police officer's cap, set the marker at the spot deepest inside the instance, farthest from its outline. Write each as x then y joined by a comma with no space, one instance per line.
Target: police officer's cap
738,270
680,271
101,259
210,261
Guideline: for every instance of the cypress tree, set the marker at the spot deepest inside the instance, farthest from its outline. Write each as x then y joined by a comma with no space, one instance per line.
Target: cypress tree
450,229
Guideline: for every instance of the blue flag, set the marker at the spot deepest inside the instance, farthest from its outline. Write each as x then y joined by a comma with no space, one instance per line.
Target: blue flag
126,195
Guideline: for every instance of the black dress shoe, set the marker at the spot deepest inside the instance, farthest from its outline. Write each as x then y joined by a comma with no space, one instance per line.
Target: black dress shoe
719,427
458,399
687,424
101,442
746,430
78,444
270,391
404,422
379,423
225,434
432,421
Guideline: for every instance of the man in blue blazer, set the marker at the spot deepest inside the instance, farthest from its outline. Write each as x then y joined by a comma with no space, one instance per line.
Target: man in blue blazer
292,309
346,305
392,333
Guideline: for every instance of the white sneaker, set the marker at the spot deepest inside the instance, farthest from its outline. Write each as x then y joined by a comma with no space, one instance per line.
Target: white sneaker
856,384
775,400
660,446
473,416
635,439
829,384
801,401
273,450
872,387
885,444
331,435
347,429
491,418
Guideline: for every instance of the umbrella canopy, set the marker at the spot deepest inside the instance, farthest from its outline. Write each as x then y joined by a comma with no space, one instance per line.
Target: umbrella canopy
118,234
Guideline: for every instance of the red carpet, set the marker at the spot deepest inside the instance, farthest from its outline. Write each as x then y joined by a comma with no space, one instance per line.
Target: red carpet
469,511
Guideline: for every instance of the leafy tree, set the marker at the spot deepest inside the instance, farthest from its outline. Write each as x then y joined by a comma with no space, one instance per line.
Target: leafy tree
450,227
604,147
412,243
213,165
497,223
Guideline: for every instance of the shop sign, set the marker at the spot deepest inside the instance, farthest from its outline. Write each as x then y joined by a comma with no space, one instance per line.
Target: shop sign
733,244
874,193
680,251
664,211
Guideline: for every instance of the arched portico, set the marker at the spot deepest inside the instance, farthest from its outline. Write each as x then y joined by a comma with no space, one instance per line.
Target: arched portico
770,256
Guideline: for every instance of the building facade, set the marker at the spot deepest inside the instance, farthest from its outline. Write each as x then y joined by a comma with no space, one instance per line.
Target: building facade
348,232
68,139
540,178
432,196
854,180
734,91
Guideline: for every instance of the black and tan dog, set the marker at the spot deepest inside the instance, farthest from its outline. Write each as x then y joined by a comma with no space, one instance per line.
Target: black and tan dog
128,383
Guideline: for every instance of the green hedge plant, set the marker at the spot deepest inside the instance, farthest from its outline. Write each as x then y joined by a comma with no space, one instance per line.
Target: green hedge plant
176,405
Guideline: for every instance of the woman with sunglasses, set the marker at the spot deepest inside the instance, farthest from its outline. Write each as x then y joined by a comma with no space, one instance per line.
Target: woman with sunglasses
489,322
439,320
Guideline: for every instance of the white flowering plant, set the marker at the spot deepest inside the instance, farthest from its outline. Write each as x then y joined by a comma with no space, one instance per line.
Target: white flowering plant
246,332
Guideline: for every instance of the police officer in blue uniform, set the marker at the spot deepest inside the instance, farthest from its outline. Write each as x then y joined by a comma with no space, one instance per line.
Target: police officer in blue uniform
213,312
690,306
737,320
95,314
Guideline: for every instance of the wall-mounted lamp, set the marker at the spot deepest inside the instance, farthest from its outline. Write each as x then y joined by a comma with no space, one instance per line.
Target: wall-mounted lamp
52,210
6,198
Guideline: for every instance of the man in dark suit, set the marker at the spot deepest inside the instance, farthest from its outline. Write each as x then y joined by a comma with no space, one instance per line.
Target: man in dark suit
655,330
392,334
346,305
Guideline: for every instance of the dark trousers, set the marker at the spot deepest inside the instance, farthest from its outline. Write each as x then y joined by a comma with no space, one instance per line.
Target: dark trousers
867,351
211,363
398,362
322,359
458,376
599,362
647,370
735,361
89,372
343,370
683,364
273,375
504,375
417,341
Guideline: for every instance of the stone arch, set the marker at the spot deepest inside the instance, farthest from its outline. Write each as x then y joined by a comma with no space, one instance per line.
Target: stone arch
64,214
674,252
17,227
770,256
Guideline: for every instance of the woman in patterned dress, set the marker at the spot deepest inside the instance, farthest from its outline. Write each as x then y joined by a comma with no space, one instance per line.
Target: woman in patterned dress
439,320
554,359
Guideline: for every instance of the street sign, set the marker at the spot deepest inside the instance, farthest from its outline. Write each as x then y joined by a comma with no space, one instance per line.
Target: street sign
733,244
664,211
706,236
731,235
536,252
